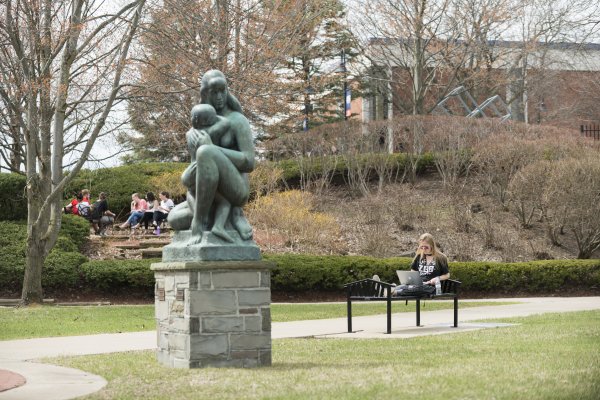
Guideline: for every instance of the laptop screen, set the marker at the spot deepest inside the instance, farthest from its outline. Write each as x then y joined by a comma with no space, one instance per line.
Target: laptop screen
409,277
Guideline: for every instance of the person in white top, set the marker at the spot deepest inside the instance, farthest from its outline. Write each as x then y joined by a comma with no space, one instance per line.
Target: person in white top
161,213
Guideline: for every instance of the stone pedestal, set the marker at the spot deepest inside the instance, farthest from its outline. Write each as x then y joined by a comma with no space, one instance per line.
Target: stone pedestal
213,313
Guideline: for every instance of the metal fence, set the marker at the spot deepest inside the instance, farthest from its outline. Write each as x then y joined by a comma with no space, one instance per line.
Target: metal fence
591,131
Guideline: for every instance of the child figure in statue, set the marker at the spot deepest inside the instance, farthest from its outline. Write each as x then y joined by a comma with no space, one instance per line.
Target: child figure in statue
207,127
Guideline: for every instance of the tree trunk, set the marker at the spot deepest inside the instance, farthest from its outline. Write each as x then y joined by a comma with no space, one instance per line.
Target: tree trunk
37,243
222,11
32,283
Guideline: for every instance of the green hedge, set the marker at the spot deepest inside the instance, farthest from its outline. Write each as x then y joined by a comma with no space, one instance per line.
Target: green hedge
291,167
298,273
61,269
13,237
111,275
547,276
120,182
302,273
13,199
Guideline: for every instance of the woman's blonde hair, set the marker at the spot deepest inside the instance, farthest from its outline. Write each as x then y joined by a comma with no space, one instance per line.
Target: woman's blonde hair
435,252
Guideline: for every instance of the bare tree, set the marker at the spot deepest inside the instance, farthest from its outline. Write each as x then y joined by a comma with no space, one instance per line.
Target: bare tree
64,60
572,199
272,53
524,191
12,156
407,35
545,33
508,47
497,159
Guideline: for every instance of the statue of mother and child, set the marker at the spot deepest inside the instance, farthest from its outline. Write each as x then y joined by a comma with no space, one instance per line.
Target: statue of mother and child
222,155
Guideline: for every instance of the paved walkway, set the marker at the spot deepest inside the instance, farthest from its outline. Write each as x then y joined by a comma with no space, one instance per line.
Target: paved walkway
50,382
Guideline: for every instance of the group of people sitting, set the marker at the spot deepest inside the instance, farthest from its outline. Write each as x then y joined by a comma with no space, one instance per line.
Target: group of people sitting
145,212
97,212
148,211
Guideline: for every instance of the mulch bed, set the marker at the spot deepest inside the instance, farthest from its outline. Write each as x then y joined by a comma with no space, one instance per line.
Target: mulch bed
10,380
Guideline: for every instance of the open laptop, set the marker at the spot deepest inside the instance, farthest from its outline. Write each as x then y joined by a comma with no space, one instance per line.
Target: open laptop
410,278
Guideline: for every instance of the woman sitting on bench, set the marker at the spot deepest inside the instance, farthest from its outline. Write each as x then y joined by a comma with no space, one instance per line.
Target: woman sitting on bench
431,263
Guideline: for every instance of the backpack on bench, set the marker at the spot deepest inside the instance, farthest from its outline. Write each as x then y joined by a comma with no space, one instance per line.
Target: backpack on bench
414,290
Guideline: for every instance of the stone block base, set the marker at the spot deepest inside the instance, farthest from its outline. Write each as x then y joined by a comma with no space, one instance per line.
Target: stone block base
213,313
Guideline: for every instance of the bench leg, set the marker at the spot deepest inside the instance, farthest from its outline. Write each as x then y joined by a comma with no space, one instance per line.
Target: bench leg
418,312
349,310
456,312
389,316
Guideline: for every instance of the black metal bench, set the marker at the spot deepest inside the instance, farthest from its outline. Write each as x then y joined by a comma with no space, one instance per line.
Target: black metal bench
372,290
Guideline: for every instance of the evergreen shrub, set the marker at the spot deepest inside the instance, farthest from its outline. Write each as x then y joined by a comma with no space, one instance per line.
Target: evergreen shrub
75,230
13,199
297,273
292,167
110,275
61,269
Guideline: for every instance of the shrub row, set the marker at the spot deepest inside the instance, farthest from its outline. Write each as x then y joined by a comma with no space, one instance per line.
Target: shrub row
304,273
294,167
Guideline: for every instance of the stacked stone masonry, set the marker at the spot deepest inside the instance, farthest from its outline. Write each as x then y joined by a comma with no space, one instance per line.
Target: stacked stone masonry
213,313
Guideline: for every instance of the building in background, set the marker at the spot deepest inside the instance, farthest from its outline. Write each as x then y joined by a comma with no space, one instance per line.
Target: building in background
556,83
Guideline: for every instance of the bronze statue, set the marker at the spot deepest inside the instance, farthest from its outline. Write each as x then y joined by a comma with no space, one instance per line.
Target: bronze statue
222,153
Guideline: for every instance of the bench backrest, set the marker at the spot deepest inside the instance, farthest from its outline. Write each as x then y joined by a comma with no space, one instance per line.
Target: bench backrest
450,286
372,288
367,288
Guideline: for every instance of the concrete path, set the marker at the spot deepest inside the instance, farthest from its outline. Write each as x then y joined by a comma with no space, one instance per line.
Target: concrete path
50,382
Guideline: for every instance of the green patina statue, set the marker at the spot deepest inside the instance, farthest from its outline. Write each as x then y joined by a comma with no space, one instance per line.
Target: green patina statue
222,154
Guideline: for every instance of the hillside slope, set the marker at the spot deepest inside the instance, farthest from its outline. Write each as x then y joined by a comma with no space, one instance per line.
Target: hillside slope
467,224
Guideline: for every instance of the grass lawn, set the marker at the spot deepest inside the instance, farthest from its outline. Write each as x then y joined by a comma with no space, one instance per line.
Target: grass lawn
552,356
48,321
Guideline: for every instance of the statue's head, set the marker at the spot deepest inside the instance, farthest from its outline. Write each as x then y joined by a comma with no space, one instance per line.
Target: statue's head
203,115
214,91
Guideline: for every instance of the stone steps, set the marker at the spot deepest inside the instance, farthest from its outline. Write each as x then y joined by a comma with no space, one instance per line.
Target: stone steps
154,243
127,246
151,252
134,245
123,236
